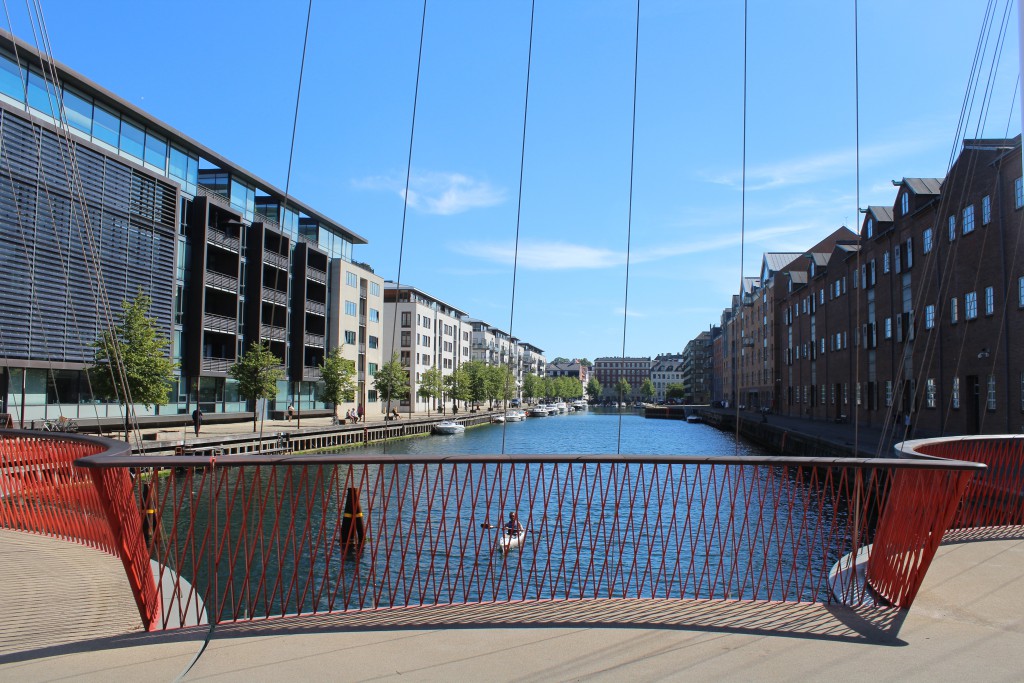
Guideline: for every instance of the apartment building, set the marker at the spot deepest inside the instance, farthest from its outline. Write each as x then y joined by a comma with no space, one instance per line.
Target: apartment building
666,369
610,369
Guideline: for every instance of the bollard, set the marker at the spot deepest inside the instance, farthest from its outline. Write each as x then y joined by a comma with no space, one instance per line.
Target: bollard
352,532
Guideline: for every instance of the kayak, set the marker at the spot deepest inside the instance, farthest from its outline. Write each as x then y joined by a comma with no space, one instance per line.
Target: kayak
507,541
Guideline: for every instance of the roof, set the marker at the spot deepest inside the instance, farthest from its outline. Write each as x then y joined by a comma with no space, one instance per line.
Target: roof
820,259
849,248
883,214
389,285
798,276
923,186
750,283
777,260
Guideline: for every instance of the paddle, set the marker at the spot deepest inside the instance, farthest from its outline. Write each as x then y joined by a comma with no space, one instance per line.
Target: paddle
485,525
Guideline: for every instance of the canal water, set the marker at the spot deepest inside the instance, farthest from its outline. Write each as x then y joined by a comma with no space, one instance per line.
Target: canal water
591,431
654,530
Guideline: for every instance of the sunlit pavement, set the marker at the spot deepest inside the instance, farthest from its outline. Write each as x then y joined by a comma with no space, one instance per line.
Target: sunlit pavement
967,623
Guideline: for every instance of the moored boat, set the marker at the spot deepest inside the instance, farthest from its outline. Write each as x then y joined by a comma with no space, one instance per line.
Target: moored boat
515,416
539,411
448,427
562,407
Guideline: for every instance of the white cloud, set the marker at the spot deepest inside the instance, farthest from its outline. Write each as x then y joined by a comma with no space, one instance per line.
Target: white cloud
544,255
443,194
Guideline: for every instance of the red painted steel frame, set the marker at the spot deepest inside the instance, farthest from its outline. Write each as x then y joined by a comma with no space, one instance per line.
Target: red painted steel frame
41,491
264,536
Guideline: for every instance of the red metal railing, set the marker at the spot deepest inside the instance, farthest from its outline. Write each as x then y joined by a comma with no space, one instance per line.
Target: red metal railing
996,496
251,537
41,491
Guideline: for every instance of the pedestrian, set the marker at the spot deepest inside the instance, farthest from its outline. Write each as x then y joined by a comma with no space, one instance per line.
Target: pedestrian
361,417
197,419
291,412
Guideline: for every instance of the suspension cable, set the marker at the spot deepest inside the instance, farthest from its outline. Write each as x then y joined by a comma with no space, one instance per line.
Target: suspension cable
743,227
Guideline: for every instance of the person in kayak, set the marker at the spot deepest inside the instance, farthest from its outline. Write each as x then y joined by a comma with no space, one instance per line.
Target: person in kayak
513,527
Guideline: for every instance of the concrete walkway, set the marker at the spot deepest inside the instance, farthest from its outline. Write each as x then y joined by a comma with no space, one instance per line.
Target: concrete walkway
967,623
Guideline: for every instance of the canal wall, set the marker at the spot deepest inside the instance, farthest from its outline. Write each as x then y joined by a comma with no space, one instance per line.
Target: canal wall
801,440
313,438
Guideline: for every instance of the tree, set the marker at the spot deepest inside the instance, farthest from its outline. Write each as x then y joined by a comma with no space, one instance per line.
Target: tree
457,385
622,388
594,389
586,363
560,359
391,381
647,389
431,386
257,371
131,363
531,386
476,380
338,375
675,391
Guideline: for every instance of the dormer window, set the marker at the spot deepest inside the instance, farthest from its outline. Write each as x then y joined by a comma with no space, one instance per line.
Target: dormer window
812,268
871,227
905,203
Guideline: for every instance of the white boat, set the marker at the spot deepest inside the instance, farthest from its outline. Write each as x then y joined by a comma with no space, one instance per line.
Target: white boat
579,404
694,419
515,416
562,407
448,427
497,418
508,541
539,411
552,410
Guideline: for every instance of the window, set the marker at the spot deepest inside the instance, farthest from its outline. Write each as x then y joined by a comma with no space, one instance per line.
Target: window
350,337
12,79
968,219
406,319
956,392
888,392
897,261
156,151
986,210
106,126
373,342
39,94
929,393
991,403
927,236
905,203
350,307
990,301
1018,193
374,289
885,262
910,253
888,328
952,310
970,305
374,315
132,140
1020,292
929,316
871,227
351,279
78,111
406,339
405,359
371,369
952,228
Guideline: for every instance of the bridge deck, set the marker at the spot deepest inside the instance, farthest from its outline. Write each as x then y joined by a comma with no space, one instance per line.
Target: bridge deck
966,623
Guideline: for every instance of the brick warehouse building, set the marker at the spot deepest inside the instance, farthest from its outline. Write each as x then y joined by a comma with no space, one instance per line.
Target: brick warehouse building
94,189
923,320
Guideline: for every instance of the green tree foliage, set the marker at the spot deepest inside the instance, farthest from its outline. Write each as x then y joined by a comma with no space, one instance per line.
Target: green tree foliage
622,388
338,375
431,386
147,370
586,363
647,389
531,386
391,381
457,386
675,391
257,371
567,387
131,363
560,359
594,389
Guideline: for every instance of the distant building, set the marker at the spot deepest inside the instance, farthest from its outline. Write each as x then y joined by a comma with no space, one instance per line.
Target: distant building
609,370
666,369
696,369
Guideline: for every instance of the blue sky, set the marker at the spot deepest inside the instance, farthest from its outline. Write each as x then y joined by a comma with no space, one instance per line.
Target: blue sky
226,72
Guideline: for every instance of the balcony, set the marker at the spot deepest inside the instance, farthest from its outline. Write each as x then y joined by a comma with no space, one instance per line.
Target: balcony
316,275
275,259
273,333
223,240
228,283
275,296
311,374
316,340
220,323
209,364
316,308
